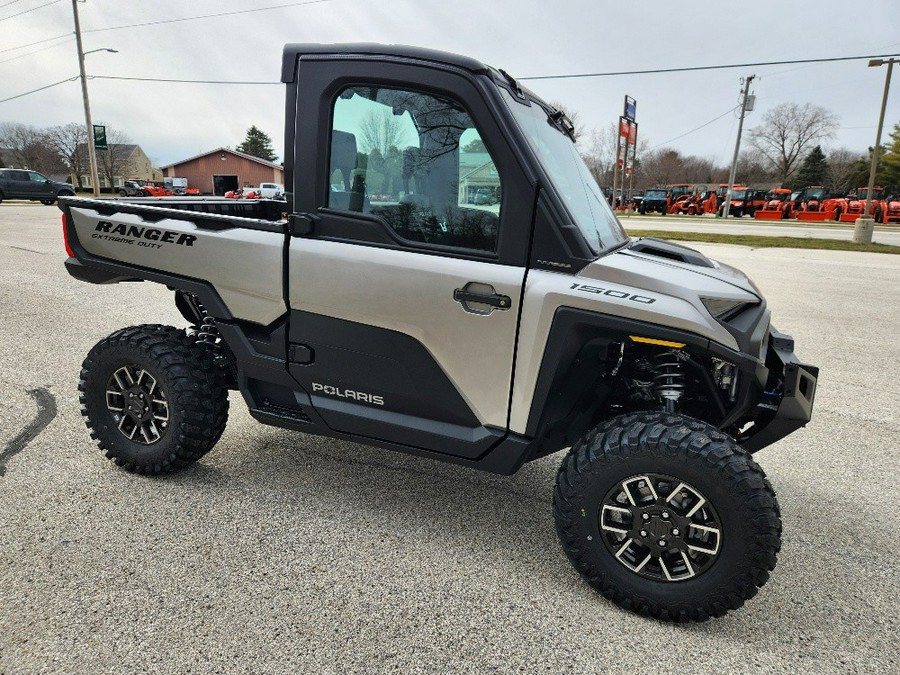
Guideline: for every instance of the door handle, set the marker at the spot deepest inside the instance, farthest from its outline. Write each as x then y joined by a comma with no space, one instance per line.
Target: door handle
495,300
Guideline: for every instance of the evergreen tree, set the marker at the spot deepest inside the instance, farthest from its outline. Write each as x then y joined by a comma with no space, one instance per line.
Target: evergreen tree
889,164
813,171
258,143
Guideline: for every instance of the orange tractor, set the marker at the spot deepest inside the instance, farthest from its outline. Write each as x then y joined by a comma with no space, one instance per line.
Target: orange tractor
812,204
777,207
848,209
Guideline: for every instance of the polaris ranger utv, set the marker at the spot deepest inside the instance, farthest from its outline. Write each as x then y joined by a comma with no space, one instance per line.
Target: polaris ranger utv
388,304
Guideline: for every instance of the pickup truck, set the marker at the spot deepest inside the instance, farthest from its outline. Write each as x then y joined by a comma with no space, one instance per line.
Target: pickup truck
385,303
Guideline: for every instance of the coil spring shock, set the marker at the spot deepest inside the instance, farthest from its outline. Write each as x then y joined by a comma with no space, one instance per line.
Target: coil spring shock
208,332
208,335
669,380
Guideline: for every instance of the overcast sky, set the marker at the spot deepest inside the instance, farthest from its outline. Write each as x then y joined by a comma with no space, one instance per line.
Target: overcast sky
527,37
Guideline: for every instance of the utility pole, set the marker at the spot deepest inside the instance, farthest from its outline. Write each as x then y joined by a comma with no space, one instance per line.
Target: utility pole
874,168
737,146
92,153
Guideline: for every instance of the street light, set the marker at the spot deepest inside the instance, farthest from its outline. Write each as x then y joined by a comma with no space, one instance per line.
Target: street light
863,231
92,154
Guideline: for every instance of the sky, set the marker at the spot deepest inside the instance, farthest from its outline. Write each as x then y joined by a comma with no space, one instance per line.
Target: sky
174,121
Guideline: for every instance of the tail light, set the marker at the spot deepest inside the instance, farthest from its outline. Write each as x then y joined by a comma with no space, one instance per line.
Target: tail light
65,226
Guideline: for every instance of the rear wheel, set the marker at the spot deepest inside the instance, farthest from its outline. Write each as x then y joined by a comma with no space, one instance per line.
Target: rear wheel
667,517
154,400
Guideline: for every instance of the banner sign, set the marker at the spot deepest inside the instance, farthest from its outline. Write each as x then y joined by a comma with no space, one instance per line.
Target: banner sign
100,138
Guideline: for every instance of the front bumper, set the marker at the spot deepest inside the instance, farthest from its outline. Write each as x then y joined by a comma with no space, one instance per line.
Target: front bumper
778,418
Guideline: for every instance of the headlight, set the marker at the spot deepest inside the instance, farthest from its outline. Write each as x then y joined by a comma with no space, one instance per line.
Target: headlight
722,308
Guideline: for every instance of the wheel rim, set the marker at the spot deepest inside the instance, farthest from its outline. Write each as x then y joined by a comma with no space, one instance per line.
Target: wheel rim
138,405
660,527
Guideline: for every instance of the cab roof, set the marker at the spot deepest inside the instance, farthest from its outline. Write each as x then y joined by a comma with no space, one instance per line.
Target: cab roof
293,51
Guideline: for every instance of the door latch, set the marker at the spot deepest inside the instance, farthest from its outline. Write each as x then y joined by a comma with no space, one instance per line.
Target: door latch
477,301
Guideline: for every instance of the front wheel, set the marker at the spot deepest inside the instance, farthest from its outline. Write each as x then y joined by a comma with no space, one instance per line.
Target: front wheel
667,516
154,400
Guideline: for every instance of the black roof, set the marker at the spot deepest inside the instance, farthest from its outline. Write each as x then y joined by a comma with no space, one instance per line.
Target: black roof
293,51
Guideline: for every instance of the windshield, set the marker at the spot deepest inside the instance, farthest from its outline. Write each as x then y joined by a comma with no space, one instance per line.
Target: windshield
569,174
738,194
655,194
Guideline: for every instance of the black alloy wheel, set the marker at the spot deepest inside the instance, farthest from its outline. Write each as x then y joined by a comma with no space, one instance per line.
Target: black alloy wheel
660,527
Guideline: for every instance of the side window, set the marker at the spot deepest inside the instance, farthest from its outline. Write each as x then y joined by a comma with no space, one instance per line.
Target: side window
36,177
417,162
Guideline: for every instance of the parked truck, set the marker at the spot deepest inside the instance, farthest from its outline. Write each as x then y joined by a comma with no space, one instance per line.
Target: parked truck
488,336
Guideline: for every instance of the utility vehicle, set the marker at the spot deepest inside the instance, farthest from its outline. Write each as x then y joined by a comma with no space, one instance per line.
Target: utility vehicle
381,304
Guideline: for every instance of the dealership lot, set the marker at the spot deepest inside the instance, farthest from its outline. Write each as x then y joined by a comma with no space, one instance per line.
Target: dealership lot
282,551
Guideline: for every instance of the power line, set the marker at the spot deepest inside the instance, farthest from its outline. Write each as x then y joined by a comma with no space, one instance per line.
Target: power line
206,16
163,79
9,3
36,51
686,133
716,67
36,42
33,9
34,91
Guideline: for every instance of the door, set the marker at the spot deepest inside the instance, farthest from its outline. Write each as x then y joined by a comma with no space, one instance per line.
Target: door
405,290
223,184
41,187
20,185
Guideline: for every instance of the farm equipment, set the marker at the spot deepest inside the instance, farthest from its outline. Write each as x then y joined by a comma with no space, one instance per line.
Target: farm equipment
848,209
252,193
654,200
745,201
891,212
810,205
179,186
777,206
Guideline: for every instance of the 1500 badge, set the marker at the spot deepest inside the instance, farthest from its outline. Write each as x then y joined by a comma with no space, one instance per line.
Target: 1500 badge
613,293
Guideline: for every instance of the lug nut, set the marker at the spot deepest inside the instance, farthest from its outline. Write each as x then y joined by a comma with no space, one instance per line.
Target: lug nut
643,533
646,516
662,542
675,531
665,514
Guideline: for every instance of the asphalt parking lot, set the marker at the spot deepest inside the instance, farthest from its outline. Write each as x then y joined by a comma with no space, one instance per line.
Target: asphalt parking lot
281,552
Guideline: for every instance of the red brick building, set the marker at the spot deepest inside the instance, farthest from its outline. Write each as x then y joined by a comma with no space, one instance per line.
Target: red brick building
217,171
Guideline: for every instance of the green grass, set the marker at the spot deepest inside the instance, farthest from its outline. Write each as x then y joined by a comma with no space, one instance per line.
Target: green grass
767,242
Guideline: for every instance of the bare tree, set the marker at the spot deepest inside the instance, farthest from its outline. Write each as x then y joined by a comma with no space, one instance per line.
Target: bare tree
574,118
382,131
751,167
843,168
788,131
112,162
28,147
600,153
68,142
